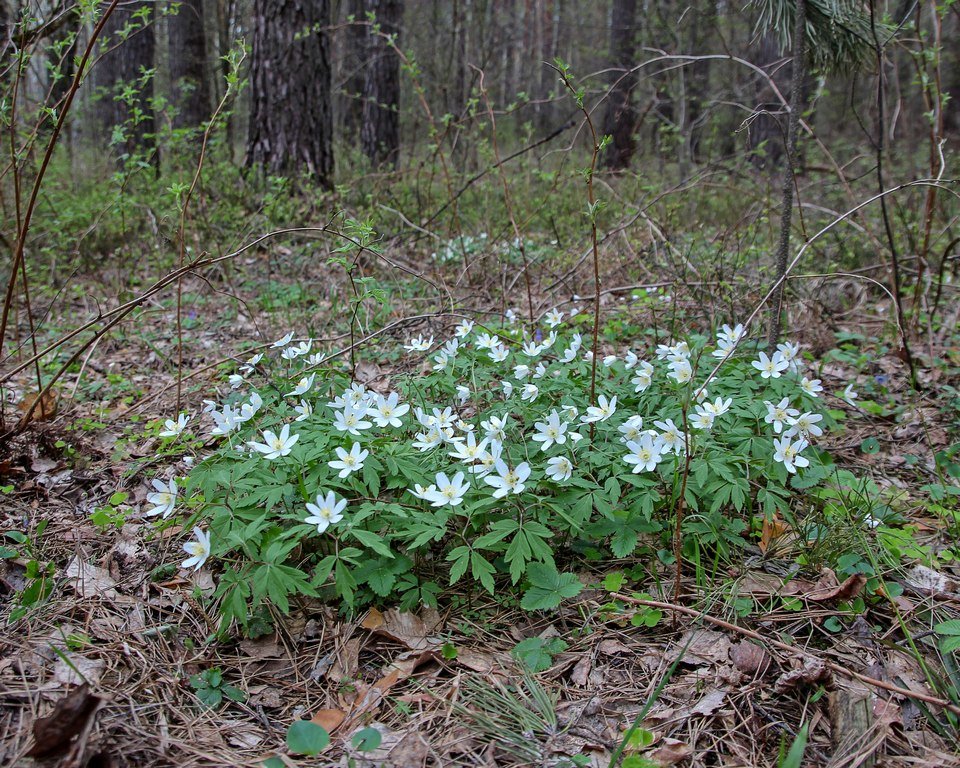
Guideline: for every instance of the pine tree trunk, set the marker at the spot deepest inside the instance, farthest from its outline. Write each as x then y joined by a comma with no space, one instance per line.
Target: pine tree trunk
620,116
793,131
188,65
125,65
353,59
290,80
380,126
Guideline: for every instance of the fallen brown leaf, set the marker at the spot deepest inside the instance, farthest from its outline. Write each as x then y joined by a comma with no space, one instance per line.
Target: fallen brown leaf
409,629
670,752
710,703
813,672
46,409
749,658
329,719
704,645
89,580
848,590
53,734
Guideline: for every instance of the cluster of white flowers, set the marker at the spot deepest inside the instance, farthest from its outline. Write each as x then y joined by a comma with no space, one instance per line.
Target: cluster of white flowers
474,456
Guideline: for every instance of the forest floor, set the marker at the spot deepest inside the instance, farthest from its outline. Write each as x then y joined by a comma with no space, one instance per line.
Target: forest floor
709,682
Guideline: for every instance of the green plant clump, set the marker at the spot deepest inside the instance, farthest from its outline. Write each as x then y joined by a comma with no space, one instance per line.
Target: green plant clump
489,466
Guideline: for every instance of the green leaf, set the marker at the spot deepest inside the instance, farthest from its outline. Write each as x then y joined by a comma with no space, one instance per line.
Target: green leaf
371,540
794,758
870,445
366,740
536,653
306,738
273,762
548,587
951,627
613,582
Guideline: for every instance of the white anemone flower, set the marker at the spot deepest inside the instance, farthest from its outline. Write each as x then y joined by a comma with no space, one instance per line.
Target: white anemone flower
498,353
719,406
703,418
283,341
791,353
530,392
348,462
644,454
531,348
644,377
351,420
559,469
681,371
198,550
812,387
175,428
274,446
297,350
806,425
550,432
671,436
520,372
631,429
225,421
787,452
248,367
630,359
303,386
467,449
428,439
449,491
770,367
418,344
486,341
779,414
850,395
304,410
507,388
326,511
463,394
602,411
553,318
236,380
495,427
463,330
164,499
507,480
420,492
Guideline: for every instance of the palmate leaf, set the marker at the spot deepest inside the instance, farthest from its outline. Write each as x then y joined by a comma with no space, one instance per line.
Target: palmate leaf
548,587
536,653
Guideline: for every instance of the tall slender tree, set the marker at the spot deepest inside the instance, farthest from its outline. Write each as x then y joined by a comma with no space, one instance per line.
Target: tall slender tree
620,118
124,76
380,124
187,42
291,119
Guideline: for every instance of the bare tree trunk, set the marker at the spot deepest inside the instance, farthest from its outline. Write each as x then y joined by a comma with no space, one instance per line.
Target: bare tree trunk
354,58
291,119
188,65
793,130
127,64
620,117
380,127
